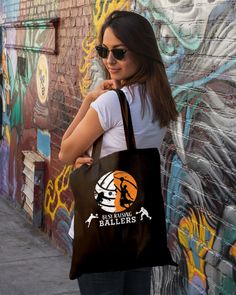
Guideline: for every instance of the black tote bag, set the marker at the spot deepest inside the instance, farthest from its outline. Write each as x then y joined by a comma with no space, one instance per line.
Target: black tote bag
119,211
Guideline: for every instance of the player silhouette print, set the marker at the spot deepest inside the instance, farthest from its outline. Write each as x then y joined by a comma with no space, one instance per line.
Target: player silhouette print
115,191
143,213
125,202
91,217
101,197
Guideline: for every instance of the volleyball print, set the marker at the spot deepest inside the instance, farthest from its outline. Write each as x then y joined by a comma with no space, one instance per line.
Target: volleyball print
115,191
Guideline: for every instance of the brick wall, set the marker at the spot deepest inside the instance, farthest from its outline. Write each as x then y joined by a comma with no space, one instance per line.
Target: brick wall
49,65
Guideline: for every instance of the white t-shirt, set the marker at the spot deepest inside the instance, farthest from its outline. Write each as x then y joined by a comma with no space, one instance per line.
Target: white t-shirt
147,134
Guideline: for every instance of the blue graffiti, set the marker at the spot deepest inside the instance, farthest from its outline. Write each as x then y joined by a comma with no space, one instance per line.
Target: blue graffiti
202,81
44,143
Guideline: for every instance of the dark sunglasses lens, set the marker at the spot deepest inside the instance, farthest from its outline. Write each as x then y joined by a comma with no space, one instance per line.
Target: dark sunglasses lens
118,53
102,51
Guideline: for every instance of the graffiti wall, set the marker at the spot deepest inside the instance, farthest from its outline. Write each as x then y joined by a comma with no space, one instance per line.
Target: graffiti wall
198,47
48,65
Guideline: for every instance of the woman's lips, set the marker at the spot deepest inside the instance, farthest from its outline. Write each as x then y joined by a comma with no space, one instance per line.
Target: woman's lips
113,71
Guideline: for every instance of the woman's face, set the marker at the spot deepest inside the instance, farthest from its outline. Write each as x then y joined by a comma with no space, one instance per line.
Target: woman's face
118,69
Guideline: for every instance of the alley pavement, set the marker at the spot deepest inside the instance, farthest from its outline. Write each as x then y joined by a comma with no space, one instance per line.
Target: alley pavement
30,264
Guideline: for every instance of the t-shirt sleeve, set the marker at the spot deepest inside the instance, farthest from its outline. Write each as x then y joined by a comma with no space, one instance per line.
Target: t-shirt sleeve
107,107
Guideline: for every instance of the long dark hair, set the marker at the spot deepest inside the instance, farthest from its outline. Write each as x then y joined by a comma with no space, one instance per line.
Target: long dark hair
136,33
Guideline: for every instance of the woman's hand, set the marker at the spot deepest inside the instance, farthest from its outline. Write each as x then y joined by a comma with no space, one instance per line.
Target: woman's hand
102,88
83,160
111,84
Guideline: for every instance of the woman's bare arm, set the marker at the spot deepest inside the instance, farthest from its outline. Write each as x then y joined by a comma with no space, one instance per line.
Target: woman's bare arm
81,138
85,127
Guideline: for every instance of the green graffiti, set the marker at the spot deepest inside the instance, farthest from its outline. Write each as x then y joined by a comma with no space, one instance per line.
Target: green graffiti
20,83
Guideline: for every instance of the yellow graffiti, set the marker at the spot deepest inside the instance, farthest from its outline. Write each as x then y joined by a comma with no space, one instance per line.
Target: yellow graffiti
7,94
232,251
6,78
8,135
53,196
102,10
197,237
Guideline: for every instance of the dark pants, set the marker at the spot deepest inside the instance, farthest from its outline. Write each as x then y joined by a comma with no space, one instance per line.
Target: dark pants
132,282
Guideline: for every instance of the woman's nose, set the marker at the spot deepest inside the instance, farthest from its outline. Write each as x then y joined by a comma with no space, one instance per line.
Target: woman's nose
110,58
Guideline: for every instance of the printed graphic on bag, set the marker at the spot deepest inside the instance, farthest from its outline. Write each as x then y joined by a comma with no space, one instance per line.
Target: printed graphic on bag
115,191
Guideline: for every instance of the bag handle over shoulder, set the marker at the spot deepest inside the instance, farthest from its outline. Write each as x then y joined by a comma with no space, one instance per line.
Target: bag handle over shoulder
128,126
127,121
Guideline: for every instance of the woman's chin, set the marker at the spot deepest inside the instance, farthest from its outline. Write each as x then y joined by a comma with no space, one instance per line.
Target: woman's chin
115,73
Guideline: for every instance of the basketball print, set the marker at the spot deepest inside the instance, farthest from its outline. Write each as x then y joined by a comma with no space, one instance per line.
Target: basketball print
115,191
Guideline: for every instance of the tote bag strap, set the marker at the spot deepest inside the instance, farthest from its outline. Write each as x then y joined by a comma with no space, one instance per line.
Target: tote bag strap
127,121
97,145
128,127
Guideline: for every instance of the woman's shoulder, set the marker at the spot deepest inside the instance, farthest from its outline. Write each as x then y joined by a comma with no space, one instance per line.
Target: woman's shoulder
107,101
107,107
107,97
110,98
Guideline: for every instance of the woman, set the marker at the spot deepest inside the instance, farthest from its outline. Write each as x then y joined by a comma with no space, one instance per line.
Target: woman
130,55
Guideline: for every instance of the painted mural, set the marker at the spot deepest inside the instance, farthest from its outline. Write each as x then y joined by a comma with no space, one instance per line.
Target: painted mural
199,151
30,108
197,42
9,73
59,209
19,91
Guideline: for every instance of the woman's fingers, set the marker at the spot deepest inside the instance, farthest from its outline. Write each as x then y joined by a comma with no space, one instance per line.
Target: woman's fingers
83,160
111,84
102,88
107,85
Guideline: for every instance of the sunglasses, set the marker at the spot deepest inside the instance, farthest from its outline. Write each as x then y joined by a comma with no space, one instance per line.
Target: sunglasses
103,52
